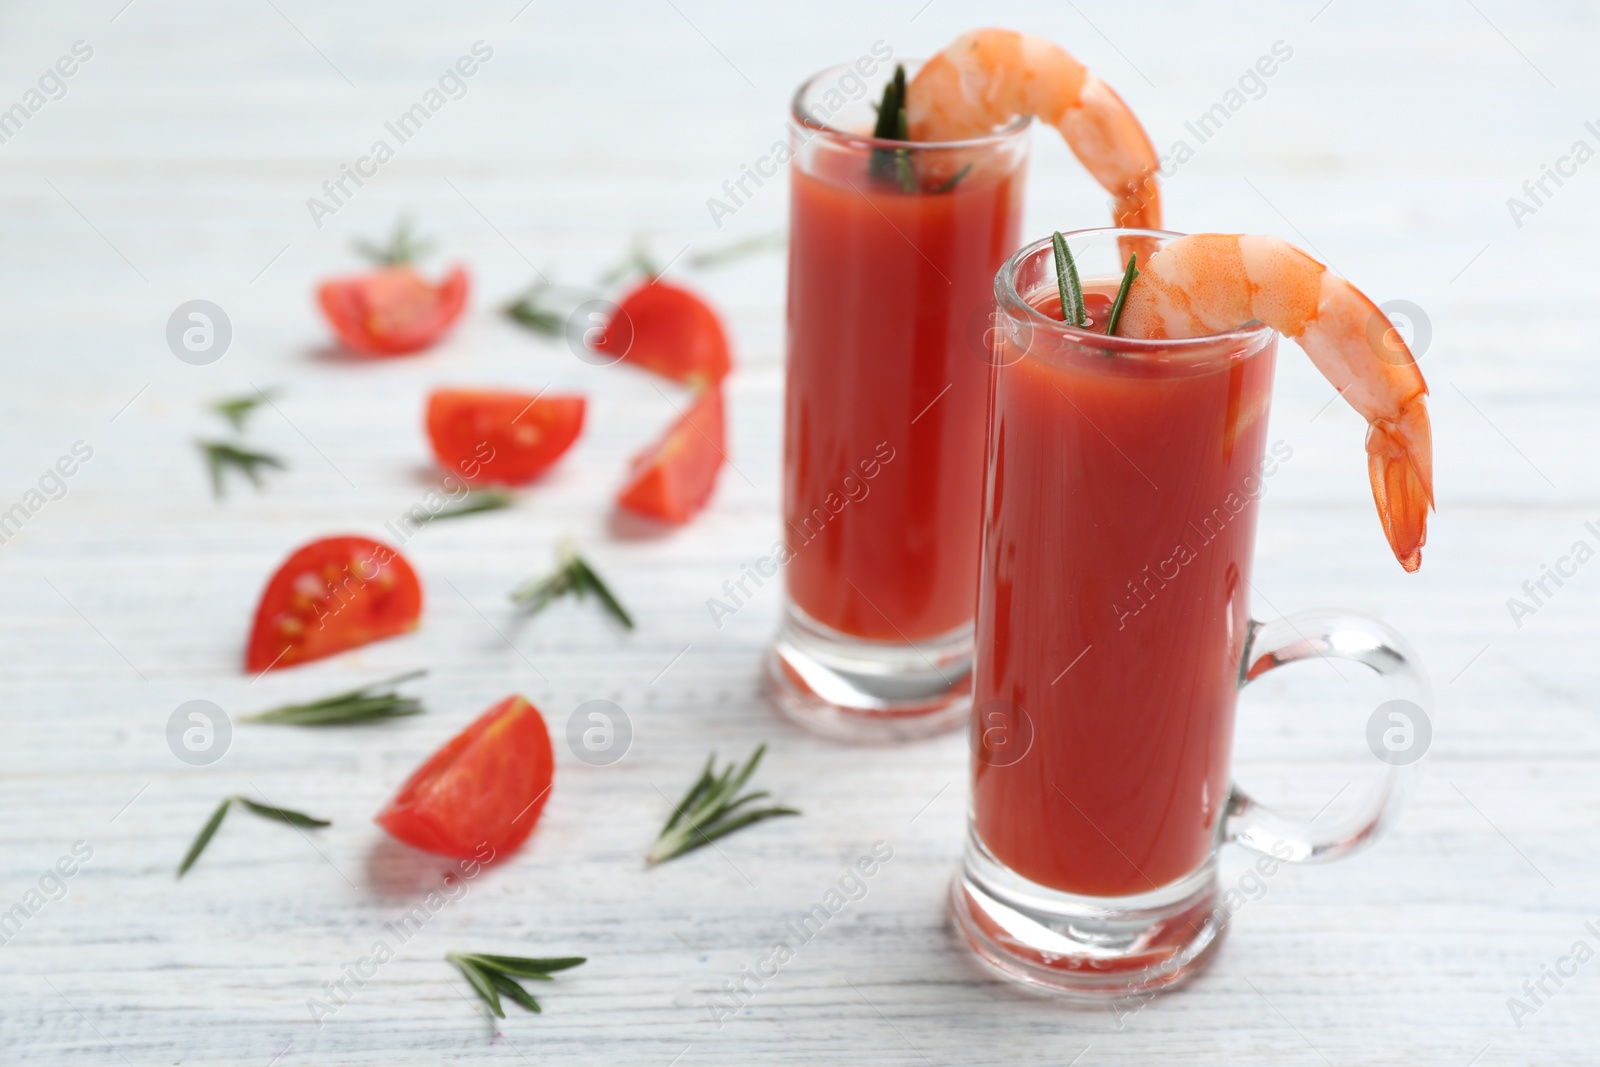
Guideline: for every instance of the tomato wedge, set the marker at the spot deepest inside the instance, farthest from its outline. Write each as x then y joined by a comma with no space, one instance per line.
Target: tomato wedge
667,329
393,310
673,479
329,596
486,786
504,438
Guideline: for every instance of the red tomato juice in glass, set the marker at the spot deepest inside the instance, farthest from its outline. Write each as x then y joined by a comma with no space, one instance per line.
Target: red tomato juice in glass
883,289
892,258
1113,634
1118,528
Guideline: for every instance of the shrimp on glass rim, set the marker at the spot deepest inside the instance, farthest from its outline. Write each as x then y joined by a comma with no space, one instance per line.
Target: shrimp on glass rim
990,77
1209,282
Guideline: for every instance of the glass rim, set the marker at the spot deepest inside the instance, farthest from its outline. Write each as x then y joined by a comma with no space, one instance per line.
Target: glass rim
800,115
1252,334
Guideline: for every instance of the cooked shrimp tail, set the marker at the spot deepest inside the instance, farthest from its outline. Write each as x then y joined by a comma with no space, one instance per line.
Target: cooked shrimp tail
1399,465
988,78
1209,282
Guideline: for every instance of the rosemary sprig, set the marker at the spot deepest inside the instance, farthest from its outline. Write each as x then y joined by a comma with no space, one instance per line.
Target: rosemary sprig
945,187
221,457
368,703
749,246
493,975
573,577
482,500
904,172
1072,312
889,107
527,310
891,126
403,247
1122,294
710,809
534,310
209,830
238,409
638,259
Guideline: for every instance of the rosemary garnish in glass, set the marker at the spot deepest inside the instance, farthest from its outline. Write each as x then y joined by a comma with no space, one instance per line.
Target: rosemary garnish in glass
711,809
1128,276
891,126
1072,312
945,187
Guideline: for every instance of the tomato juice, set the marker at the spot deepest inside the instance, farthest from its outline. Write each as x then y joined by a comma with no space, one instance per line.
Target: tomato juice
1118,524
890,290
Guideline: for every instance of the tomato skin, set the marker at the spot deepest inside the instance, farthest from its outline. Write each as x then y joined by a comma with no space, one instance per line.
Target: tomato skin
330,596
501,438
392,311
484,789
667,329
673,479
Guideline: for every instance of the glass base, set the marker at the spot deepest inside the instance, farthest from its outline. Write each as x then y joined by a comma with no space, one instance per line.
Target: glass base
852,689
1097,949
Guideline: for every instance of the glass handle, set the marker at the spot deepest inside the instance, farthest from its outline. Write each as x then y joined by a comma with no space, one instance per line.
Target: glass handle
1398,732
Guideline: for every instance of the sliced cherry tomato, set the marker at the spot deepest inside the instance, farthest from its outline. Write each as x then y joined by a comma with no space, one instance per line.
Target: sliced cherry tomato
668,330
505,438
329,596
673,479
486,786
392,311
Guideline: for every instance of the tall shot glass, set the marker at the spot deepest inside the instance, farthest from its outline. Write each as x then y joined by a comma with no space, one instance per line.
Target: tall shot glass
1113,637
892,254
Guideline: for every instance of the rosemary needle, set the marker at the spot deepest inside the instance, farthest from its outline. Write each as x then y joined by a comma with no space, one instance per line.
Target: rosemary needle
1122,294
238,409
891,126
954,178
473,503
266,811
1072,312
715,257
369,703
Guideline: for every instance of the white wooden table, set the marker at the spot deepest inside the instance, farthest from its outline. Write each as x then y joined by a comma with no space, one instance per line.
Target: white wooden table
177,166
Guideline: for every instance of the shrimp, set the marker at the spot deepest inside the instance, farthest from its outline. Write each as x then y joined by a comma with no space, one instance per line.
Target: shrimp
1205,283
989,77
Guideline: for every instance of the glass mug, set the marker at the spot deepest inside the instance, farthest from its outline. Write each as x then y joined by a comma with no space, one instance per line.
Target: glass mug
892,256
1113,635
